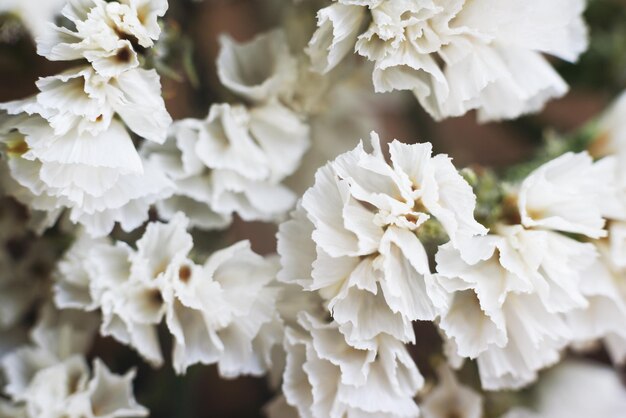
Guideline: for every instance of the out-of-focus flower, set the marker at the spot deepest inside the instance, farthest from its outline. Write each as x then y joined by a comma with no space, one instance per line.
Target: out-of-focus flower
107,34
451,398
232,162
220,312
259,70
35,14
456,56
51,378
564,393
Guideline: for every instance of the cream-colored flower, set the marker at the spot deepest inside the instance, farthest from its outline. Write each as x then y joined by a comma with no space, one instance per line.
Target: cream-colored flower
107,34
232,162
354,238
456,55
325,377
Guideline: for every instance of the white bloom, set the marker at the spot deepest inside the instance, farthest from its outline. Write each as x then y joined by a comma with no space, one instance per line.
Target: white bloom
232,162
507,291
71,153
107,34
604,286
326,378
258,70
63,388
569,194
565,392
451,399
366,259
456,56
34,14
221,312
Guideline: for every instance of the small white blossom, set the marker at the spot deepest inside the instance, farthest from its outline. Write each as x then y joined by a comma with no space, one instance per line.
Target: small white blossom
232,162
258,70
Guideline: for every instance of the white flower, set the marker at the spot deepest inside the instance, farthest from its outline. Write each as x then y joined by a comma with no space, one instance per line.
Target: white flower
569,194
363,216
34,14
564,392
107,34
232,162
326,378
507,292
222,312
258,70
74,394
604,286
456,56
451,399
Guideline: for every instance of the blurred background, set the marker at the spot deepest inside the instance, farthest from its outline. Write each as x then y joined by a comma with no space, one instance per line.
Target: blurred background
190,86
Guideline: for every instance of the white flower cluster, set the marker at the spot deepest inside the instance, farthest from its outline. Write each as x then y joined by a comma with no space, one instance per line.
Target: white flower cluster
387,235
51,378
456,55
68,147
355,240
512,299
221,312
235,160
509,288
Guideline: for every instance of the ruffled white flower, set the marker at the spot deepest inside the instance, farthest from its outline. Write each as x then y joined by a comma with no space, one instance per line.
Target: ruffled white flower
51,379
564,392
451,398
259,70
507,292
456,56
27,261
221,312
604,286
65,149
107,34
355,237
570,193
326,378
232,162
